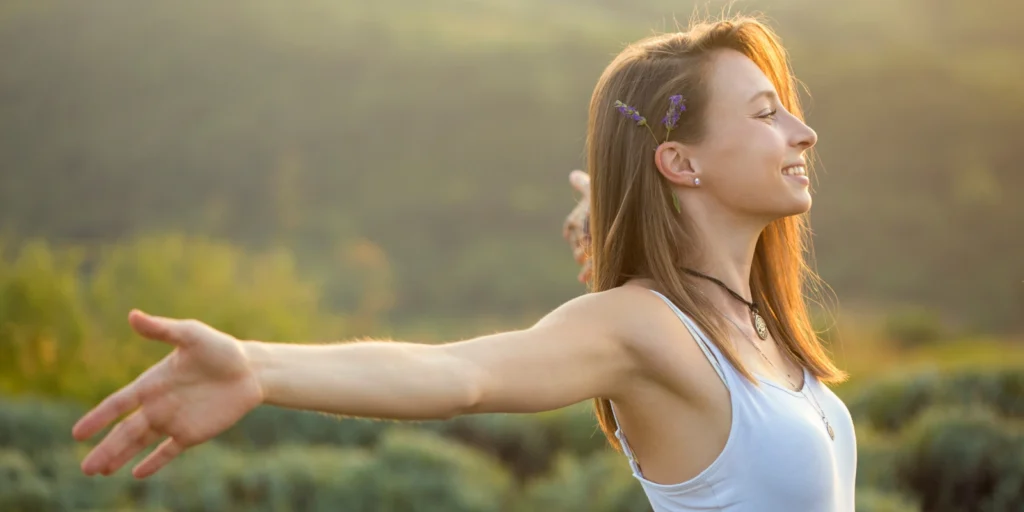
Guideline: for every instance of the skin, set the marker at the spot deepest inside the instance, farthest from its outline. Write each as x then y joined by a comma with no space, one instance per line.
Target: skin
623,344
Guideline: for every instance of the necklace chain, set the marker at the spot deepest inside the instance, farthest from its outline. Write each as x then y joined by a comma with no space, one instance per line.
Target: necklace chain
759,351
755,316
804,389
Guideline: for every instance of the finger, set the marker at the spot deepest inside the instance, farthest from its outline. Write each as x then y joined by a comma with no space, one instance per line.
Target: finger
130,429
149,437
158,328
573,225
114,406
572,236
579,252
580,181
165,453
582,276
585,272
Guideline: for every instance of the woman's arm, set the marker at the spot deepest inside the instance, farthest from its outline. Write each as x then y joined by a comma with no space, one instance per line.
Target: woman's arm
211,380
572,354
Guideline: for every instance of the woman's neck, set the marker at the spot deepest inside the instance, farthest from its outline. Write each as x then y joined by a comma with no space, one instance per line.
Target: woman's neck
727,254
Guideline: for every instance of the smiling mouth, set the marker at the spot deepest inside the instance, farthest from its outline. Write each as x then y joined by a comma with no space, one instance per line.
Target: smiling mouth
795,170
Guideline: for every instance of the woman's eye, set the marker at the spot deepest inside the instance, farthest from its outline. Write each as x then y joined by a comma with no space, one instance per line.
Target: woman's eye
769,115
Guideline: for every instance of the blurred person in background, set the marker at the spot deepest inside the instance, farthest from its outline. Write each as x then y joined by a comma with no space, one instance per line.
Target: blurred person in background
695,342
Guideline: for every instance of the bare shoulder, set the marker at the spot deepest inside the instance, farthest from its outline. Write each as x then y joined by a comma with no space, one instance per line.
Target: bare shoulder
642,325
622,312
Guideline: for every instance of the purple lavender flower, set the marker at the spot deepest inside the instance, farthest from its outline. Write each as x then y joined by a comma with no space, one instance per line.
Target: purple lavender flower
630,112
675,107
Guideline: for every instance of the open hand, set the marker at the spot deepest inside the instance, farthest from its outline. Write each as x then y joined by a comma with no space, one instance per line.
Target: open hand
199,390
575,229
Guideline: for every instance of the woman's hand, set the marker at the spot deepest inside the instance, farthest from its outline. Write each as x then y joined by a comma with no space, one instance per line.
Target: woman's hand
575,229
199,390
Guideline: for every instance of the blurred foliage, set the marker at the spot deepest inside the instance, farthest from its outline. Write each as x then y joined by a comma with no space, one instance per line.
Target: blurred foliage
599,483
951,455
63,311
913,326
976,456
442,134
953,425
872,500
890,404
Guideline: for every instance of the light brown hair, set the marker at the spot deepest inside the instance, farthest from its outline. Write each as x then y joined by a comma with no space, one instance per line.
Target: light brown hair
637,232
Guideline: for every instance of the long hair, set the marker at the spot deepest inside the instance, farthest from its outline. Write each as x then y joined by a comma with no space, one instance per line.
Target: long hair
635,230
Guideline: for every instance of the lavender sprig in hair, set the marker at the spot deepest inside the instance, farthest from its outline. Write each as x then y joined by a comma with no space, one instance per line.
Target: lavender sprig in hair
671,119
633,114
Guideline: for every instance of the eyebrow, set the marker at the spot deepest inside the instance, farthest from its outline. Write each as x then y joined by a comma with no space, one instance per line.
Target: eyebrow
767,93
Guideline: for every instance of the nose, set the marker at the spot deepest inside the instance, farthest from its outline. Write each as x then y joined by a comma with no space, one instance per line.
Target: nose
804,137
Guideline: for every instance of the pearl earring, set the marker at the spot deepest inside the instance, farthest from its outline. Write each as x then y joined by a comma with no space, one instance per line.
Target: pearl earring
696,181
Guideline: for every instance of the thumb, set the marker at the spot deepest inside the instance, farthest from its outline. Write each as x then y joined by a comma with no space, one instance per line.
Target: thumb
158,328
580,181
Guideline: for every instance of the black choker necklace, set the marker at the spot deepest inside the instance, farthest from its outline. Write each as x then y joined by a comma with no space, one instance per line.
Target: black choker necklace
759,324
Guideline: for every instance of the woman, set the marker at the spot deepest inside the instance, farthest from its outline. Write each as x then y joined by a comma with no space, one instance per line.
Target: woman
695,344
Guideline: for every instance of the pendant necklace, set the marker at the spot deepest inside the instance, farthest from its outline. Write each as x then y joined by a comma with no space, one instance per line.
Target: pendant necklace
762,332
759,324
803,390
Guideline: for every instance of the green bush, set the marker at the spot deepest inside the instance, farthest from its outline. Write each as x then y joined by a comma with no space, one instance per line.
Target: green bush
420,472
575,429
889,404
71,489
874,500
35,427
269,426
43,323
527,443
601,482
21,488
877,457
407,471
63,311
522,444
913,327
958,459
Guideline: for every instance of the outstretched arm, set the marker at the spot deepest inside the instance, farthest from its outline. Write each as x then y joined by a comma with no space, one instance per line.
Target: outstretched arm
568,356
211,380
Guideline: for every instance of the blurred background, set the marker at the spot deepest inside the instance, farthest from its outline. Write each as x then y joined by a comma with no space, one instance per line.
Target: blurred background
324,170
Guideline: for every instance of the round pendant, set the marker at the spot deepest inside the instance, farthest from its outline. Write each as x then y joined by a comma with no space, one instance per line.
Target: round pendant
760,326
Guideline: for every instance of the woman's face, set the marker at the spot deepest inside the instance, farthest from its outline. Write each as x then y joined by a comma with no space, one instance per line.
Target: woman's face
751,160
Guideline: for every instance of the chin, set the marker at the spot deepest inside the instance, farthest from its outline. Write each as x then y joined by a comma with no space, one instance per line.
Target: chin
799,206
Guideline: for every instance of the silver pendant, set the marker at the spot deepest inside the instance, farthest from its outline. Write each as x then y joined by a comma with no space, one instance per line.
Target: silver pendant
760,326
828,427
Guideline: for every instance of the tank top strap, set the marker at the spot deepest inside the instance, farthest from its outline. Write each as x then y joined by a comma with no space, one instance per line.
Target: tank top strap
706,346
710,351
621,436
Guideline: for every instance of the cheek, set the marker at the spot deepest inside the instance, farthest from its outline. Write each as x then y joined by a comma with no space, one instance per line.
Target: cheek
767,147
747,152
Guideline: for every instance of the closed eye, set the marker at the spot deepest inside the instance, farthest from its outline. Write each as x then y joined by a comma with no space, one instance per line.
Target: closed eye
769,115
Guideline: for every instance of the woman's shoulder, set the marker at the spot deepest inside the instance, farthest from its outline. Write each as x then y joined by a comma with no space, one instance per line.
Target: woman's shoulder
662,347
643,321
624,305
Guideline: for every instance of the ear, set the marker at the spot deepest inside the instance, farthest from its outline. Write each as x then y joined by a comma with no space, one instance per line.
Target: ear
676,163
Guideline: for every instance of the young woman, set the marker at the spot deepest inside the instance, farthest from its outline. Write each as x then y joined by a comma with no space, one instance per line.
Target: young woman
695,344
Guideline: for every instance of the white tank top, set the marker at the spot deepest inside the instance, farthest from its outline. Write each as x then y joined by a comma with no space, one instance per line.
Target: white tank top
778,457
